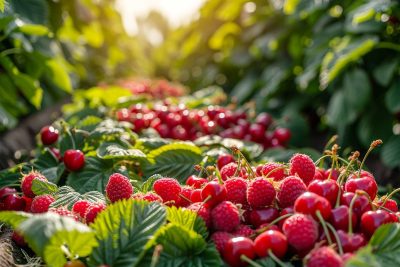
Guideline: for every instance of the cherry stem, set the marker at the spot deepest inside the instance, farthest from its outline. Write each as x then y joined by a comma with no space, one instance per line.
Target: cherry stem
343,175
259,231
389,197
276,259
334,232
185,198
323,223
242,157
207,199
70,137
218,174
249,261
328,144
353,200
318,161
156,255
371,147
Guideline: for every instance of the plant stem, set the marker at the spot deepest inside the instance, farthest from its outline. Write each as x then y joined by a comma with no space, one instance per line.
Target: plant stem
276,259
339,244
322,221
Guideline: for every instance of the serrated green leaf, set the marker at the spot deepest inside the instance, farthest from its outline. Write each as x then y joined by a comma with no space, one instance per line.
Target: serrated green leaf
94,196
40,187
66,200
14,218
110,150
187,219
148,184
123,230
49,166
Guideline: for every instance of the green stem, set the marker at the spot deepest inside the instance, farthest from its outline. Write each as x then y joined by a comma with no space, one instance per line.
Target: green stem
322,221
259,231
353,200
276,259
249,261
328,144
339,244
389,197
388,45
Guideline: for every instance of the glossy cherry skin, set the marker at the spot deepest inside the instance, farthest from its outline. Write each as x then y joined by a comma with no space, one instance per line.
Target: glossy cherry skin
264,119
235,248
282,135
14,202
361,204
5,191
389,204
224,159
366,184
262,216
371,220
195,181
196,196
328,189
271,240
74,160
309,203
340,218
351,242
213,193
334,176
48,135
285,211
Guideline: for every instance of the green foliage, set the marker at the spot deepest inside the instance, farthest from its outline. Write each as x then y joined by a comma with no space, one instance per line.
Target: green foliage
187,219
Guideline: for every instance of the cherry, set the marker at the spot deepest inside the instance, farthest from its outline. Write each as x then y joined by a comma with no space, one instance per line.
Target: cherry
213,193
48,135
340,218
257,132
371,220
262,216
14,202
335,174
366,184
74,160
224,159
28,203
56,153
180,133
351,242
195,181
235,248
361,204
74,263
319,174
271,240
285,211
196,196
5,191
264,119
390,204
282,135
309,203
328,189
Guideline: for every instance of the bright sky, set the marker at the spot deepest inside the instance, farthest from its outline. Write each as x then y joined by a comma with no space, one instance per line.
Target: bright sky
176,11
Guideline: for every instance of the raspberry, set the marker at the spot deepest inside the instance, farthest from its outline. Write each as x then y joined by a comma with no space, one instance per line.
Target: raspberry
229,170
80,207
118,187
40,204
184,197
64,212
243,230
220,239
168,189
301,232
225,216
151,197
323,256
289,190
260,193
26,182
274,170
303,166
236,190
202,211
93,210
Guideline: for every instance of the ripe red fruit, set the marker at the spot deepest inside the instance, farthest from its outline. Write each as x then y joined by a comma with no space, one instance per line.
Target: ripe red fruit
213,193
74,160
168,189
264,119
93,210
202,211
334,176
220,239
184,197
301,232
263,216
28,203
328,189
371,220
224,159
41,204
151,197
118,187
229,170
48,135
14,202
26,182
351,242
309,203
340,218
390,204
303,166
289,190
18,239
323,256
5,191
361,204
195,181
80,207
260,193
236,188
243,230
257,132
64,212
282,135
274,170
285,211
225,216
196,196
271,240
235,248
365,184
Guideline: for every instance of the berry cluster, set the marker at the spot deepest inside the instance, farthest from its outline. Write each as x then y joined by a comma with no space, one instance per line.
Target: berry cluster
179,122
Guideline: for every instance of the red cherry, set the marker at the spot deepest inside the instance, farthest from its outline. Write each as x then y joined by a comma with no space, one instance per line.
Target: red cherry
371,220
213,193
309,203
365,184
195,181
328,189
340,218
56,153
196,196
14,202
264,119
235,248
224,159
48,135
361,204
262,216
271,240
5,191
74,160
239,131
285,211
257,132
282,135
351,242
180,133
335,174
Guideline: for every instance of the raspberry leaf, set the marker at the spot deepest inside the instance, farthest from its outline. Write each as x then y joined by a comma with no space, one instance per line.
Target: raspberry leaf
148,184
14,218
187,219
117,151
40,187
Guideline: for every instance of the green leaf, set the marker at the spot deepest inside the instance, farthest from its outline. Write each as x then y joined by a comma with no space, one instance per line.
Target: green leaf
376,124
337,113
123,230
187,219
391,151
110,150
2,5
14,218
148,184
392,97
34,29
385,70
36,11
173,160
49,166
58,75
29,88
40,187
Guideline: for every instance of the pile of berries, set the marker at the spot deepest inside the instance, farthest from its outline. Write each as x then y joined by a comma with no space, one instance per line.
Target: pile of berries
179,122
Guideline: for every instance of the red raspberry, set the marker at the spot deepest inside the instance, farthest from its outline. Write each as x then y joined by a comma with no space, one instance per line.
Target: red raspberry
151,197
236,188
184,197
224,159
93,210
64,212
390,204
80,207
274,170
118,187
301,232
41,204
290,189
229,170
168,189
243,230
225,216
220,239
260,193
323,256
303,166
26,182
202,211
